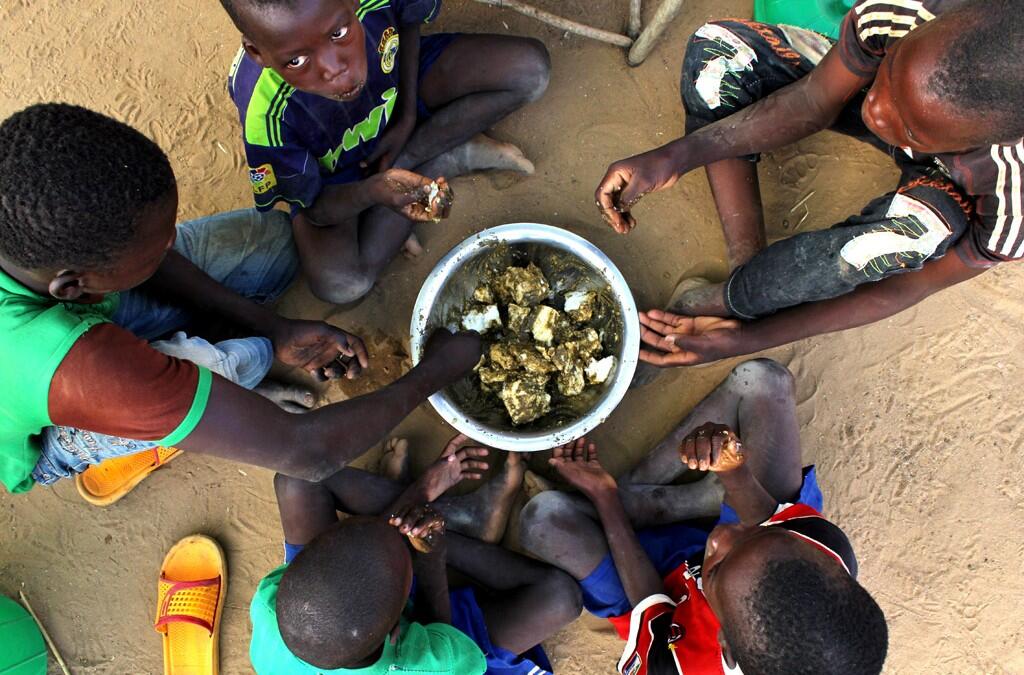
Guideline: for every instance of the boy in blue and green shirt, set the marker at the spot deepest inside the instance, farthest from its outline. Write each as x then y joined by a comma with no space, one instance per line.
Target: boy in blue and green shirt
348,113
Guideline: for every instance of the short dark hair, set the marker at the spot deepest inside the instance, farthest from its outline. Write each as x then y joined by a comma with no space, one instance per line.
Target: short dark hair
234,8
980,73
72,185
340,597
806,619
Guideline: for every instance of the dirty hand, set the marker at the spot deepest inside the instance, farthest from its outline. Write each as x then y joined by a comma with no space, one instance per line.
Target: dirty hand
422,524
688,340
628,181
712,447
323,350
578,465
452,354
458,462
405,193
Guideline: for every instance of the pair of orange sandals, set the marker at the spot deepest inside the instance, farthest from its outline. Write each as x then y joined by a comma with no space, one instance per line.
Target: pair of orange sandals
193,577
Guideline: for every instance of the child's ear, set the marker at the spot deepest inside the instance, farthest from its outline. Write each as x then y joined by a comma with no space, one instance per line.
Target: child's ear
726,650
66,286
253,52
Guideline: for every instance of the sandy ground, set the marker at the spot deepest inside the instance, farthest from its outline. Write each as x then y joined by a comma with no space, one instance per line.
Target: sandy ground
914,422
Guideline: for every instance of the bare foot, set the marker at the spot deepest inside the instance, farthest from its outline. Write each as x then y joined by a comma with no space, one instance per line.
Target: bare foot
412,248
482,153
394,463
483,514
291,397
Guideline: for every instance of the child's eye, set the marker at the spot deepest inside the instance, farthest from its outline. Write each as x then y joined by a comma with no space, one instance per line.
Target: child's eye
340,33
298,62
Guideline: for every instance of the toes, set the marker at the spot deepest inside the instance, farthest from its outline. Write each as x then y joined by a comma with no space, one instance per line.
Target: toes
412,247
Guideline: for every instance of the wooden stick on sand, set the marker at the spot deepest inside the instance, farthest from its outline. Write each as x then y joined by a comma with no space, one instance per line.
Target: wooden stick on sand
666,14
635,22
562,23
46,636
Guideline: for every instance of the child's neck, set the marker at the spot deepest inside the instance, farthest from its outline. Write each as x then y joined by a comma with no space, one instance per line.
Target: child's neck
371,659
24,277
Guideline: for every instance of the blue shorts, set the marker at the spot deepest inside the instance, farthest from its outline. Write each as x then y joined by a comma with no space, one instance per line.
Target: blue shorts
251,253
469,618
668,547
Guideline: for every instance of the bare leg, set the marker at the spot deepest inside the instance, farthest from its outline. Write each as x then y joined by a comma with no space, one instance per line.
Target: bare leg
342,262
737,194
294,398
529,601
756,400
308,509
556,530
653,505
507,73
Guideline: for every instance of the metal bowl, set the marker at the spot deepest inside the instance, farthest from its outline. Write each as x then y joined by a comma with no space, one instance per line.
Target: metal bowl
445,291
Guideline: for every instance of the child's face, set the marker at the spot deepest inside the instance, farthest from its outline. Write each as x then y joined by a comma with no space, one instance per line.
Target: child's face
318,46
901,109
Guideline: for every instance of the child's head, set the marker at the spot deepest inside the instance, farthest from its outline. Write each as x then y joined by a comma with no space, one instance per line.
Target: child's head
788,602
955,83
344,593
87,204
317,46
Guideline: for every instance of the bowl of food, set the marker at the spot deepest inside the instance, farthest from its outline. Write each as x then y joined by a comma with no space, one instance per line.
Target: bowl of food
560,330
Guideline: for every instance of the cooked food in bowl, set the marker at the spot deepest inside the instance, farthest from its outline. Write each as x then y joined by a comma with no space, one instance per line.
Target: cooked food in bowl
551,331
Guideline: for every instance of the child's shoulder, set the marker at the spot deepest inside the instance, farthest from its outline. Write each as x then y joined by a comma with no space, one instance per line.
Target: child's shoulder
439,648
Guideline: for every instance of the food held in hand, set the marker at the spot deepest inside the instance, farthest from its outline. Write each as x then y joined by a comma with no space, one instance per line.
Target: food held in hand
437,199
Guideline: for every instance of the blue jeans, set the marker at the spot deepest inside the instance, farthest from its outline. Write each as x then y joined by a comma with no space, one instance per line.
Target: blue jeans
251,253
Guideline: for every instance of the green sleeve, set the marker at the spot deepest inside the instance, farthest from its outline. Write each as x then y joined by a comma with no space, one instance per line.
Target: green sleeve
195,413
466,657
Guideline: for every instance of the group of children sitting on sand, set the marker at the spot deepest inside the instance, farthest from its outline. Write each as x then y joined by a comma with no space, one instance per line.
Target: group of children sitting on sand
122,331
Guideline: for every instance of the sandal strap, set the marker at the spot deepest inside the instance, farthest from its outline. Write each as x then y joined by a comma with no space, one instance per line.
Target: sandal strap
192,602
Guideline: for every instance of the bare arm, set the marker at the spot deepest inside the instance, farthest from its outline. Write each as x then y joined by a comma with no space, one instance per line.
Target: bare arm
794,112
311,345
179,279
243,426
577,463
636,571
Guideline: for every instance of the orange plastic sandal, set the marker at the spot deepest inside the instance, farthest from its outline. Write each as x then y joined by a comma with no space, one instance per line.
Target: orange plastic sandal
193,582
104,483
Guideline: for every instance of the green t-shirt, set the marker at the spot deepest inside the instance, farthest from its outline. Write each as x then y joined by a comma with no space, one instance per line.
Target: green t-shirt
36,334
434,649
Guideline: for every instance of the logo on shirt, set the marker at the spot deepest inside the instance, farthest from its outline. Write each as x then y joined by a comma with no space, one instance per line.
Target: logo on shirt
388,49
633,666
262,178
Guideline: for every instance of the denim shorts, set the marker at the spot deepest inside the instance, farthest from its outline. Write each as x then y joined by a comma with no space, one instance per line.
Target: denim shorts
251,253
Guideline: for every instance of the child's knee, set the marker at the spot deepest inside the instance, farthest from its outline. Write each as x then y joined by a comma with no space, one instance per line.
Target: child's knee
341,288
763,376
549,514
532,70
